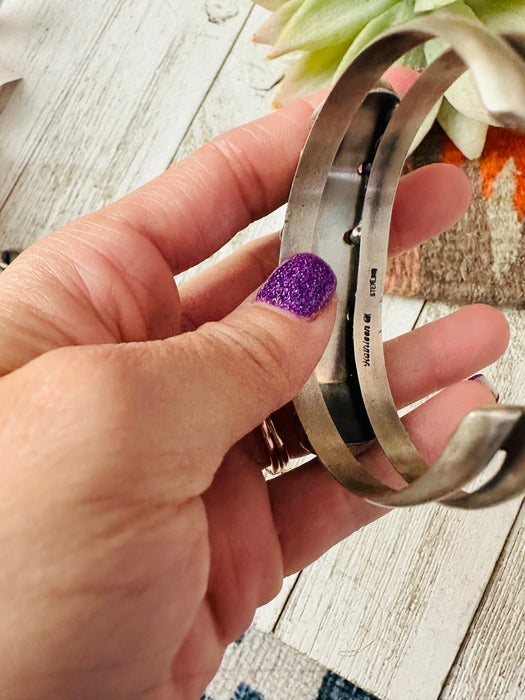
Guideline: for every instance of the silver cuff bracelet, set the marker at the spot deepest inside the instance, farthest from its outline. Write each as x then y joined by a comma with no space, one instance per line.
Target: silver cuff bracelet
340,208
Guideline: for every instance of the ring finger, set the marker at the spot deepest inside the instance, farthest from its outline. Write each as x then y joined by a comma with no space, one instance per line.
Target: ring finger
421,362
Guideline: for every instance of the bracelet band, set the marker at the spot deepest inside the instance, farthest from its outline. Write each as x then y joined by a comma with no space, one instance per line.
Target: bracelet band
340,208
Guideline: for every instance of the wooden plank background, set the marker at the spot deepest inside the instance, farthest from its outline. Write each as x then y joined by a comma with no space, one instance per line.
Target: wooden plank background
426,604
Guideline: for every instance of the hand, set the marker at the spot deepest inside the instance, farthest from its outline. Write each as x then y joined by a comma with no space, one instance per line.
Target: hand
138,533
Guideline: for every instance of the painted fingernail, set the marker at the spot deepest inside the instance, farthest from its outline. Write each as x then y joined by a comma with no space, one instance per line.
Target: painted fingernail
303,285
482,379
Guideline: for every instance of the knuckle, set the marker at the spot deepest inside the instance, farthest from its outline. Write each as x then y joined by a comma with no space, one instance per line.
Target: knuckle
255,355
248,182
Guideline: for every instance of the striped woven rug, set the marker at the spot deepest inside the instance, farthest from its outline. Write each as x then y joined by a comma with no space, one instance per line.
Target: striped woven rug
258,666
482,258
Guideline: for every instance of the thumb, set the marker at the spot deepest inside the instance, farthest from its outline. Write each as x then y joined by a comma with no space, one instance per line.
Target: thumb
257,358
187,399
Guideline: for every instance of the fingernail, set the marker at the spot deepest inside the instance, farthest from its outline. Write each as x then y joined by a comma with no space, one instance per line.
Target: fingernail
303,285
482,379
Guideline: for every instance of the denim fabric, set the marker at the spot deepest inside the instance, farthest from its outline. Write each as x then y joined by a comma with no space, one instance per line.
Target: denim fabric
336,688
258,666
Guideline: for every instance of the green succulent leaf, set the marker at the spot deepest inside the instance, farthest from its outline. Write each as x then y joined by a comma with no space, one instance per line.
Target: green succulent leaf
325,36
400,12
271,30
434,48
426,5
500,15
427,124
320,23
309,73
467,134
271,5
463,108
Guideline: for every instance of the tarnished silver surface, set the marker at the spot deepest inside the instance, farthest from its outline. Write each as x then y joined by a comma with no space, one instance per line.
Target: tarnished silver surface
340,208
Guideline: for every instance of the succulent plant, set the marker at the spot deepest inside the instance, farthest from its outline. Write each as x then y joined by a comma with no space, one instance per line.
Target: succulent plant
323,36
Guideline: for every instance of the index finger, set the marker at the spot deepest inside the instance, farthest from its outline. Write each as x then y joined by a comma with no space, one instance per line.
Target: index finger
197,205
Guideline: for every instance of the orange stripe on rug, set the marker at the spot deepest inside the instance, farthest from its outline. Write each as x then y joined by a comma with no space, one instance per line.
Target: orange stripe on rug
500,146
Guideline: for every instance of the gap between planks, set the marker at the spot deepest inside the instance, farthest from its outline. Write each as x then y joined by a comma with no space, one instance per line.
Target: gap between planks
401,595
108,92
491,661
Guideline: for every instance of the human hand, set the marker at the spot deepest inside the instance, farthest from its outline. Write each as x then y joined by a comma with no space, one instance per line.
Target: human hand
138,532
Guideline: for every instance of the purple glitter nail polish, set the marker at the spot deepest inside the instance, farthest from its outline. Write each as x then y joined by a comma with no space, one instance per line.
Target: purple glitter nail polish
482,379
302,285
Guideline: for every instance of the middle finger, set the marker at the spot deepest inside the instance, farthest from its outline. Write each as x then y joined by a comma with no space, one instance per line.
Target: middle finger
428,201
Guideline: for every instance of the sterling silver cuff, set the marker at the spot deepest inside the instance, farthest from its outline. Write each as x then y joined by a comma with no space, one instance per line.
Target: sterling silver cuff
340,208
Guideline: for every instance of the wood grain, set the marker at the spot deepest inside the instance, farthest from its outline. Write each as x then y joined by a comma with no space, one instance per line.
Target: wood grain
109,90
112,93
398,598
240,93
491,663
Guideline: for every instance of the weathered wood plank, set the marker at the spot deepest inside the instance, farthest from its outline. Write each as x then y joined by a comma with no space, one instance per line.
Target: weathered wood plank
389,607
267,616
241,92
399,315
491,663
109,90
